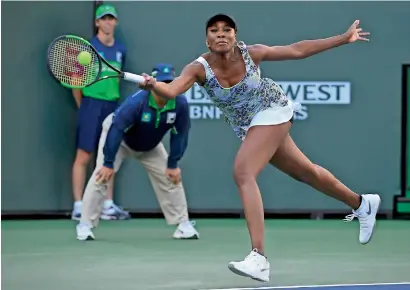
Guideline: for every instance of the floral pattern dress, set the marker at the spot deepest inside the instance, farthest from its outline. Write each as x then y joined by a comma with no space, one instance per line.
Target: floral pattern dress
240,103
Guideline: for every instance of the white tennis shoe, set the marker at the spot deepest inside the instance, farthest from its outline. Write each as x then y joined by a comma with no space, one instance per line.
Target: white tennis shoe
84,232
254,266
186,230
366,214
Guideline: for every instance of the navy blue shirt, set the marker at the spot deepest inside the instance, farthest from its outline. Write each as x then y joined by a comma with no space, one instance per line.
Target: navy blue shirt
142,125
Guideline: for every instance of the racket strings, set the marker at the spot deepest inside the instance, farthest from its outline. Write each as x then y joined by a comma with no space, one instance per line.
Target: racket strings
65,66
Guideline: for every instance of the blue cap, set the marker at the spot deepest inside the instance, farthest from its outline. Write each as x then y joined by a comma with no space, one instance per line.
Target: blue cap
163,72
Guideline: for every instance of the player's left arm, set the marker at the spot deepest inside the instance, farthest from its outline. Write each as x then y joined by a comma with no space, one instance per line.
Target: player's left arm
180,134
307,48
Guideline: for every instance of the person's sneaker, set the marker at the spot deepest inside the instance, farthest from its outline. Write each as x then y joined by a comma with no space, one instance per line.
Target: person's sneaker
186,230
114,212
84,232
254,266
366,214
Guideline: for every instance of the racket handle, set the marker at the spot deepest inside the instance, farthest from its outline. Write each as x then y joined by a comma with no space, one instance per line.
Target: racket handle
133,78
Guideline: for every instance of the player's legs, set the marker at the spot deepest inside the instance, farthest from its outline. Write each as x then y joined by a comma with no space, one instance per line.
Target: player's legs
95,193
171,197
254,154
289,159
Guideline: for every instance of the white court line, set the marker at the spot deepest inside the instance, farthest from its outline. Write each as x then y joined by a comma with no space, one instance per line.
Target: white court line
311,286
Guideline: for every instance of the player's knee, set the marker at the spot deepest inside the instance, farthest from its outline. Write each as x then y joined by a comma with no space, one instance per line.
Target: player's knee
242,175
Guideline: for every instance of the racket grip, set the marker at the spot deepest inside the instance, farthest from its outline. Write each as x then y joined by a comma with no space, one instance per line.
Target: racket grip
133,78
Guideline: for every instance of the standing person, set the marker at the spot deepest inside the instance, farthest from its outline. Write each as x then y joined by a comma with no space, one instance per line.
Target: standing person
136,130
261,116
95,104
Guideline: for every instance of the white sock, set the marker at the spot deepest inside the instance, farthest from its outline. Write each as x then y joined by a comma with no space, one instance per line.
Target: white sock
108,203
78,205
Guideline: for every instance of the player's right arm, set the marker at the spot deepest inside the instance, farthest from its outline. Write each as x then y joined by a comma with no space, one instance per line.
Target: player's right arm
189,75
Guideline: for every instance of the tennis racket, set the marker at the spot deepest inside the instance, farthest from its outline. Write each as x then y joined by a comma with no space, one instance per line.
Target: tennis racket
62,62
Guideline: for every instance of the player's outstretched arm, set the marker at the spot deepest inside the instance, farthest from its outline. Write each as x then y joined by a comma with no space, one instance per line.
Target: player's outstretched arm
307,48
178,86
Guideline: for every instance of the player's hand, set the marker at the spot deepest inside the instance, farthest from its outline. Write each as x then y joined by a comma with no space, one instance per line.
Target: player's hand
354,33
104,174
149,82
174,175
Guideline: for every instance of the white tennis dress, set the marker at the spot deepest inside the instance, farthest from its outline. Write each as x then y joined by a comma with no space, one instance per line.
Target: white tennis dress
253,101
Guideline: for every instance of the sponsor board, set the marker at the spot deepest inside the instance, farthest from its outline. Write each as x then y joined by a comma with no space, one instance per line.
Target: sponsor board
305,93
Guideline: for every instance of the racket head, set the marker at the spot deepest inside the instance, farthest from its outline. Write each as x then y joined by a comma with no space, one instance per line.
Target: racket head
62,62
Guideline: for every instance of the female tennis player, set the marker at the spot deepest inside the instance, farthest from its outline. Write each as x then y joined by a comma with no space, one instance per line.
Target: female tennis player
261,115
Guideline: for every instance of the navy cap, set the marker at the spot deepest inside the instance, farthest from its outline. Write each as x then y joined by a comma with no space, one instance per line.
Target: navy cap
163,72
221,17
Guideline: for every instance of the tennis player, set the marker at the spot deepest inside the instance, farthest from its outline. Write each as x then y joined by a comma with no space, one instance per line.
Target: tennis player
95,104
261,116
136,130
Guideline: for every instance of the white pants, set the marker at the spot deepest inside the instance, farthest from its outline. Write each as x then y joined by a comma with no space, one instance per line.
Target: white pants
171,198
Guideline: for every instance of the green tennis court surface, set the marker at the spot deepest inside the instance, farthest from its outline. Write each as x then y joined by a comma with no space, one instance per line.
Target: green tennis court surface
140,254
